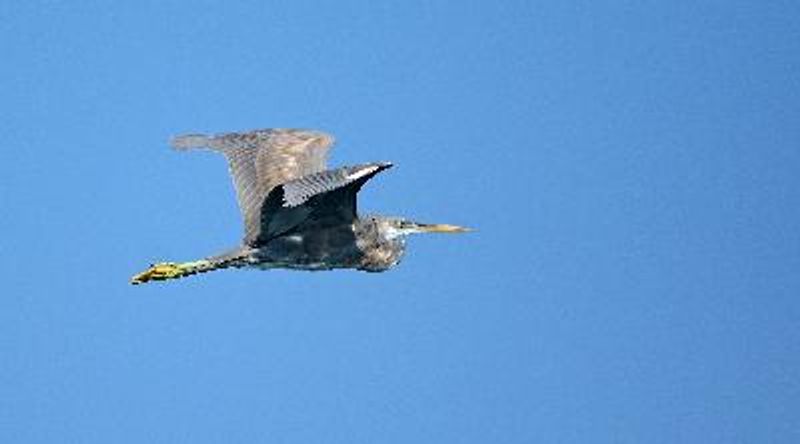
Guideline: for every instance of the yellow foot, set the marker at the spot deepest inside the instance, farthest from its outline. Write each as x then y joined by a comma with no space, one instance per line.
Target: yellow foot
159,272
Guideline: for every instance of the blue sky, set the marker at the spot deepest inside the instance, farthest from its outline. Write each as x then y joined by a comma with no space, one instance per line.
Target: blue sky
631,169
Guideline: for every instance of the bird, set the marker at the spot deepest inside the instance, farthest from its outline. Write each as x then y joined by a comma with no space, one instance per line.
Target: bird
297,214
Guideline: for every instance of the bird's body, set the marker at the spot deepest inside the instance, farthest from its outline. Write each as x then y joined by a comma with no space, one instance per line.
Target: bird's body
297,214
358,245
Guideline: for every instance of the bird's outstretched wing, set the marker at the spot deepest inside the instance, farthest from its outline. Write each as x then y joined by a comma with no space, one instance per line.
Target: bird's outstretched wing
319,200
261,160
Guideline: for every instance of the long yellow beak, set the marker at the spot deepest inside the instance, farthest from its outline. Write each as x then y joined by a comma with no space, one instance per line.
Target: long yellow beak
441,228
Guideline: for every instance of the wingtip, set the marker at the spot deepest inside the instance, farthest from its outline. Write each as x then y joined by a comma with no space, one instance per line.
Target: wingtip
189,141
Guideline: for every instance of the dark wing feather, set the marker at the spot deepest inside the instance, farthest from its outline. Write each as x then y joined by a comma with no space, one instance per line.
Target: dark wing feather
315,201
260,160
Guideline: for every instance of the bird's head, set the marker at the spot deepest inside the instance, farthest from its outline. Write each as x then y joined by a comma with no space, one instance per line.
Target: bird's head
394,227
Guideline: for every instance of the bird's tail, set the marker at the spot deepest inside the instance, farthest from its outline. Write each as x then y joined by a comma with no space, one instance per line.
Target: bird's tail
191,141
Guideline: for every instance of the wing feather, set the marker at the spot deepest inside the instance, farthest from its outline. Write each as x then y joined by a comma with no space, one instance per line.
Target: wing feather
322,199
260,160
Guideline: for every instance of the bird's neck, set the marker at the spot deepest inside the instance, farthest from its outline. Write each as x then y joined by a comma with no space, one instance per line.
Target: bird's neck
379,252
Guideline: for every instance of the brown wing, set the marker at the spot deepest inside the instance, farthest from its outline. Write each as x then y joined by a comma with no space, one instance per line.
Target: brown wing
260,160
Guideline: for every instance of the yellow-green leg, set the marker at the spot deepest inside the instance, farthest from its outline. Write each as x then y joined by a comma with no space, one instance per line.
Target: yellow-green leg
171,270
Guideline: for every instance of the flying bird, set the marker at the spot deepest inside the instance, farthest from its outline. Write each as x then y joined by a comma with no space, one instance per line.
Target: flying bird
297,213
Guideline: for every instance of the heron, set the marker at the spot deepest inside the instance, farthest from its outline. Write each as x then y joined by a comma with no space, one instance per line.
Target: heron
297,213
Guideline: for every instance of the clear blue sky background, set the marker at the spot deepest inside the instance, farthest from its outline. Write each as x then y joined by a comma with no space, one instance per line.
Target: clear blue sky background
631,168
